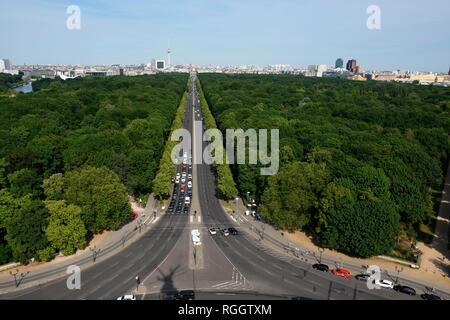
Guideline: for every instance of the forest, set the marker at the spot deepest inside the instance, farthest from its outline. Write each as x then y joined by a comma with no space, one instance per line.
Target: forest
70,154
361,163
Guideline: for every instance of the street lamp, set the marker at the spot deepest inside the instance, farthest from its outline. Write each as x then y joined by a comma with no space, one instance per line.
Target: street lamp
22,275
398,269
321,250
95,252
236,199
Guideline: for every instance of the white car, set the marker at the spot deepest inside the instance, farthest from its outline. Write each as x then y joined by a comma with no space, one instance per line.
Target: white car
384,283
189,184
177,180
190,176
212,231
178,175
183,180
187,200
127,297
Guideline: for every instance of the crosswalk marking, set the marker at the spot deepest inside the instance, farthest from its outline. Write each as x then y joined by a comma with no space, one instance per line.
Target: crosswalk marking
238,281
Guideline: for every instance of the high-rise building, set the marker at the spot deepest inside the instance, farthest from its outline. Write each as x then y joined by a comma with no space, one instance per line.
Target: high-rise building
351,65
359,69
5,64
160,64
339,63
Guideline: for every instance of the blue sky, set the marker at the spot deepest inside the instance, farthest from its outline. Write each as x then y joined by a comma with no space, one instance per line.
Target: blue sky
414,34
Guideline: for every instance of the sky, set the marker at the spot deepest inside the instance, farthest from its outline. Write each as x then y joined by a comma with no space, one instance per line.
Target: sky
413,34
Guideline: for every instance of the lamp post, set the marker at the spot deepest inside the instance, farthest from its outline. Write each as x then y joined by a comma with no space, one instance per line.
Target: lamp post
236,199
398,269
321,250
22,275
95,252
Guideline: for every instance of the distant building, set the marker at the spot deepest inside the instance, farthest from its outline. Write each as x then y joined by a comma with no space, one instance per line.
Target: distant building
5,64
339,63
121,73
351,65
160,64
359,69
316,70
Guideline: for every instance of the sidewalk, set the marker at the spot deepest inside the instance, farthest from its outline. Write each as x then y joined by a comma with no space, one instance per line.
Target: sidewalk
103,246
298,246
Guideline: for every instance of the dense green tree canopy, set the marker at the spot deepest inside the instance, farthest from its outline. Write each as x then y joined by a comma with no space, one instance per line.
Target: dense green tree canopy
383,147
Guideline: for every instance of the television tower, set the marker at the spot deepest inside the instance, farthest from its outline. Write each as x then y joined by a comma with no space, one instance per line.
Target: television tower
168,54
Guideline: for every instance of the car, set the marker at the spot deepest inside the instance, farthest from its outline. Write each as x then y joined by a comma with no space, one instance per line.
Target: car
183,175
189,192
321,267
190,176
225,232
127,297
233,231
185,295
178,175
430,296
189,184
362,277
384,283
183,180
177,180
212,231
341,272
405,289
187,200
182,187
186,210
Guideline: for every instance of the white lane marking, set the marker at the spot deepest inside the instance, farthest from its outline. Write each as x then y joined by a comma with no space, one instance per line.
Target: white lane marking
145,222
157,218
191,219
199,219
234,219
245,218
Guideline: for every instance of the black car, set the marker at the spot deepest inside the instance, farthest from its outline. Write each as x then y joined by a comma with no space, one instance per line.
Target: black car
185,295
186,210
321,267
362,277
405,289
430,296
233,231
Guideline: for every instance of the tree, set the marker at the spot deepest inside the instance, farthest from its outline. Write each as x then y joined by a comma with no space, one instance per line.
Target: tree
65,230
363,227
25,232
101,196
292,195
54,187
23,182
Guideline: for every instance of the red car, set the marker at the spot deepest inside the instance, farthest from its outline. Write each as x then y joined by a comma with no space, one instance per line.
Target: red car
182,186
341,272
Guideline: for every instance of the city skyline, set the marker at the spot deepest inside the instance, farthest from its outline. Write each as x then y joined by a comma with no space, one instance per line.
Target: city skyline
229,33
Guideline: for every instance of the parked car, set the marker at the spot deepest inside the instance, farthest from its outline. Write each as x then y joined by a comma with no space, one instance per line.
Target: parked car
190,176
189,184
212,231
182,187
233,231
362,277
186,210
405,289
185,295
127,297
187,200
225,232
341,272
384,283
430,296
321,267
